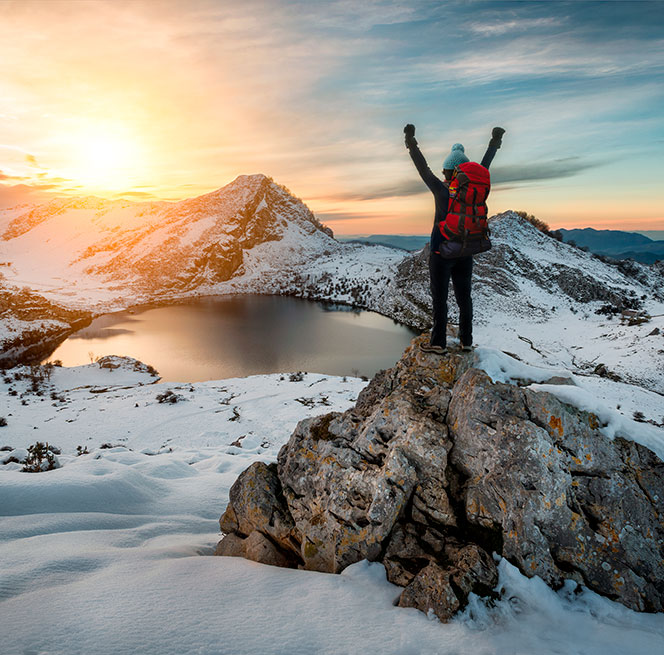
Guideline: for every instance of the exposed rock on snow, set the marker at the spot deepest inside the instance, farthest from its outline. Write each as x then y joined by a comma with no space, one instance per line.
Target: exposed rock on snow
435,469
33,325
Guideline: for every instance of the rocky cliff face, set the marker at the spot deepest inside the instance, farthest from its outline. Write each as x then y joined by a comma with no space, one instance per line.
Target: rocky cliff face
436,469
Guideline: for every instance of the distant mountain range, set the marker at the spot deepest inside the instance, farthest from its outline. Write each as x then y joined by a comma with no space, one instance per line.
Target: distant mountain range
403,242
616,244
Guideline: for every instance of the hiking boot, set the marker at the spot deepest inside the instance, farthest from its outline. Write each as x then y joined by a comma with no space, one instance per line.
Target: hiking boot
437,350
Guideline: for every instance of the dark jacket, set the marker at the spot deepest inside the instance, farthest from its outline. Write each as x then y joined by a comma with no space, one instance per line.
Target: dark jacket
442,198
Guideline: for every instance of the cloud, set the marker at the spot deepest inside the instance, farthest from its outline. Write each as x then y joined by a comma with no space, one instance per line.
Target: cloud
403,188
31,160
516,25
325,217
547,170
500,175
544,56
143,195
17,194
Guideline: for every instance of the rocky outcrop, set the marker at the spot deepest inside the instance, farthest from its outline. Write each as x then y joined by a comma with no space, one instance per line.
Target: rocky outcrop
435,470
32,326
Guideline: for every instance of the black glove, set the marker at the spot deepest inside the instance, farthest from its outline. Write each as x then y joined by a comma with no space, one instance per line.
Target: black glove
497,137
409,131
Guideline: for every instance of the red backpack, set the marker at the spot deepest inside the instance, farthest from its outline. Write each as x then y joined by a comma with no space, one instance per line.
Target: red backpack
467,213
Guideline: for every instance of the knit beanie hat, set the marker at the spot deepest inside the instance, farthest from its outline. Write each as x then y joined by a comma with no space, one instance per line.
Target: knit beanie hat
456,157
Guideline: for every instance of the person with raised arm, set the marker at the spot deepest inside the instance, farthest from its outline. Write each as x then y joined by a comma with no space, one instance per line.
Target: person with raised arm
460,230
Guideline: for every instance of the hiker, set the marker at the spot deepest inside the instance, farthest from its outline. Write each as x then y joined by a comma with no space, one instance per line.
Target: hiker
460,230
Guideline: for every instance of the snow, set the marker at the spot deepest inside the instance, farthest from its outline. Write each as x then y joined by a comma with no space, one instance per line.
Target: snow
92,406
501,367
591,394
613,423
111,553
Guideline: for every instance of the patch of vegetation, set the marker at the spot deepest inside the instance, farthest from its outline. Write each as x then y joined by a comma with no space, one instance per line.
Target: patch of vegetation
540,225
41,457
168,397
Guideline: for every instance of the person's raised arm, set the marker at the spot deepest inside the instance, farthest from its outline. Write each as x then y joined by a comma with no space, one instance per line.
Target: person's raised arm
418,159
495,143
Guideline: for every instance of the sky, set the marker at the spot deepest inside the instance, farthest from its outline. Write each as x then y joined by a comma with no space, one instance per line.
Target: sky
169,100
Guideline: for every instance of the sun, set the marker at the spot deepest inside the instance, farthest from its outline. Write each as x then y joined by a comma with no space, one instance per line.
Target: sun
105,158
104,155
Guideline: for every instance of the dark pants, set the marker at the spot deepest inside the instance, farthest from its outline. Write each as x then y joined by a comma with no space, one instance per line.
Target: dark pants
440,271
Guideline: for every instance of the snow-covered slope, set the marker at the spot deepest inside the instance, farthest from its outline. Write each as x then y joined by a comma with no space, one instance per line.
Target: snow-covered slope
550,303
110,553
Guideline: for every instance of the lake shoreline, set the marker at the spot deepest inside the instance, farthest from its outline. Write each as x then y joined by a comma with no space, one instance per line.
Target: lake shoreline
206,324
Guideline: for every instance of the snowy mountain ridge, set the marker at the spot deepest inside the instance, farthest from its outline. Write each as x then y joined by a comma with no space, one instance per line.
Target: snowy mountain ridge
150,247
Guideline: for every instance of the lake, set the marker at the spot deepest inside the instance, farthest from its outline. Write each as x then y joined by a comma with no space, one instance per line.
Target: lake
234,336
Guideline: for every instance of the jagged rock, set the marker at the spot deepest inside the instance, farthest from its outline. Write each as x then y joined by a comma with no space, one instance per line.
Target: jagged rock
431,590
444,590
256,506
472,570
436,468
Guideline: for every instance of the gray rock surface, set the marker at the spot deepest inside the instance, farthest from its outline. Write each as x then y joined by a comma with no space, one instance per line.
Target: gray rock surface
435,470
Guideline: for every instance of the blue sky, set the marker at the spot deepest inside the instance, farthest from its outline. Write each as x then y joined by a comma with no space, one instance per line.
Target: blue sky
316,94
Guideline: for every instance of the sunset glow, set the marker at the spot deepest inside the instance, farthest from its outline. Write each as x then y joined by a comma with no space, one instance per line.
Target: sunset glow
170,100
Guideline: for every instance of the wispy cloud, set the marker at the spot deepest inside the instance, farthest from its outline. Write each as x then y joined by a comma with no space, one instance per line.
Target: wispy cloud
537,170
404,188
500,28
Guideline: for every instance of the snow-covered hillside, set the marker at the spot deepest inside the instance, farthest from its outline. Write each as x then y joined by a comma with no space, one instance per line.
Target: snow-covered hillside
550,303
111,552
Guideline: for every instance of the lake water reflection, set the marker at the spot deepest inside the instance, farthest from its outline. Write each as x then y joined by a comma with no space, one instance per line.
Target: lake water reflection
222,337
